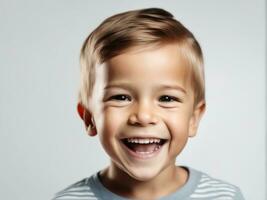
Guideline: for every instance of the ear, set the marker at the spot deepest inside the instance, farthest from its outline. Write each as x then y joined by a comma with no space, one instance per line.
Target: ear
86,116
197,114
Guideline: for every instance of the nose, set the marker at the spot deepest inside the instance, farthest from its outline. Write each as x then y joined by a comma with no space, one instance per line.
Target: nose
143,114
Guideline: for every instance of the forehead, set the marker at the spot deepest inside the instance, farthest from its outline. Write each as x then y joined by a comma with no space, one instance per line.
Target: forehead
163,63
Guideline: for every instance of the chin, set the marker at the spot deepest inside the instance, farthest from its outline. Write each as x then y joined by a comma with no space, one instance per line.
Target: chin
143,174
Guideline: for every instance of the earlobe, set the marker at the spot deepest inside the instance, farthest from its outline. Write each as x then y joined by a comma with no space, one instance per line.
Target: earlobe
196,117
86,116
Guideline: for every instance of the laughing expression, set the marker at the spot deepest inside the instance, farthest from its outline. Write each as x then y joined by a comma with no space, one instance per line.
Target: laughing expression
142,106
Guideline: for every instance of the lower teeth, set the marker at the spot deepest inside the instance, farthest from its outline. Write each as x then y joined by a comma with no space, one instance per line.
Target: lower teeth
148,152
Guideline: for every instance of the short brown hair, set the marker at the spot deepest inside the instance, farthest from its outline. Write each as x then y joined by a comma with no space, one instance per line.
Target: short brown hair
138,28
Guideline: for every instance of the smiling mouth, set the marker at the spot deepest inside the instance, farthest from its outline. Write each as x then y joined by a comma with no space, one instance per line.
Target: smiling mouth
144,145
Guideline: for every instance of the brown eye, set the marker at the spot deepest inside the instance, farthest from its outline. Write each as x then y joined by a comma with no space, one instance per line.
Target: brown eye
120,97
167,98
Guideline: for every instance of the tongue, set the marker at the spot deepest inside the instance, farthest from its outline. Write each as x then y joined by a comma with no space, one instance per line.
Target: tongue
143,147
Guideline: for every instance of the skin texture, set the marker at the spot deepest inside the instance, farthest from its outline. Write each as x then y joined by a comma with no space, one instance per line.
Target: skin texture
143,94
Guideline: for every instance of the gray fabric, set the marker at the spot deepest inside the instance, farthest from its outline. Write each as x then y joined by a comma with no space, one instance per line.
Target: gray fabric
199,186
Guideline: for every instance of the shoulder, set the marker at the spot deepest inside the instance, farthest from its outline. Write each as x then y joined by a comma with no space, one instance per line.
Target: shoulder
81,190
209,187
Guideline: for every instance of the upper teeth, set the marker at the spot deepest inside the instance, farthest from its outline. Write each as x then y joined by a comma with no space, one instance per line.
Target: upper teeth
143,141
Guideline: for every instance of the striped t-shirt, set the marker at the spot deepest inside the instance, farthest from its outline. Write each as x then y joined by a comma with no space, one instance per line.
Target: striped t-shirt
199,186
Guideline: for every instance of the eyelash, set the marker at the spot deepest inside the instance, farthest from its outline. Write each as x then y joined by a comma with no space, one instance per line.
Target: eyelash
120,97
163,98
169,98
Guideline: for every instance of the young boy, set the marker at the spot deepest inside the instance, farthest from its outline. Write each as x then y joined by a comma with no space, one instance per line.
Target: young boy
142,92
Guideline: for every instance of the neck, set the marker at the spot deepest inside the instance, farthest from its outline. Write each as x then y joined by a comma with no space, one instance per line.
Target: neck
119,182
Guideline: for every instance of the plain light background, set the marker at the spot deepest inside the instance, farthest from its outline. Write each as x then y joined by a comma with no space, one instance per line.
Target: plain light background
43,144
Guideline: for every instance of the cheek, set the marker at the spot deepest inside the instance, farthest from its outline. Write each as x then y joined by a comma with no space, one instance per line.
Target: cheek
177,122
110,129
106,130
178,126
179,131
113,120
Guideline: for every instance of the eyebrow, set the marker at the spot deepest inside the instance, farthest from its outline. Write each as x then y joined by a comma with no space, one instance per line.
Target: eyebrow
163,86
175,87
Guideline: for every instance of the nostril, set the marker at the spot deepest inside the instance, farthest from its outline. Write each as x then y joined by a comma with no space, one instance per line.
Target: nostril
143,119
143,113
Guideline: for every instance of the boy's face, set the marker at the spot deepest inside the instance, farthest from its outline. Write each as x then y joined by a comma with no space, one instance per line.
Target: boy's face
144,97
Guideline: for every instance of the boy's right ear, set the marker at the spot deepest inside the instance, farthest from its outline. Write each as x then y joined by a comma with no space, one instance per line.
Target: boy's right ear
86,116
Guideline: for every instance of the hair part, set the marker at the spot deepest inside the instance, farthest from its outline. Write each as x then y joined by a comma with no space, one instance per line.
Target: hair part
152,27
